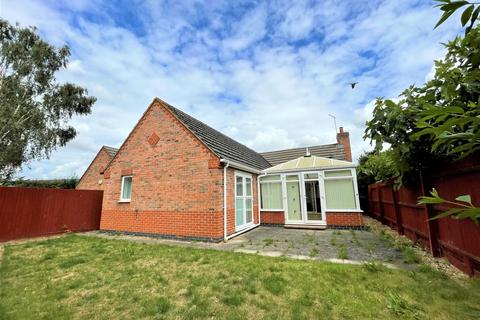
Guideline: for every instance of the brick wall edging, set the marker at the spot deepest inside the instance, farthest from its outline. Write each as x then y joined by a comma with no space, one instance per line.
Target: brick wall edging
266,224
338,227
162,236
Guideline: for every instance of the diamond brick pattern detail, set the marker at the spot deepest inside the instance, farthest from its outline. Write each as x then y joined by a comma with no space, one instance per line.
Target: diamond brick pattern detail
153,140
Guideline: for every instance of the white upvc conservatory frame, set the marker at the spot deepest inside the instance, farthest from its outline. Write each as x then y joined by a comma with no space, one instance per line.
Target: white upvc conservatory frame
355,188
321,181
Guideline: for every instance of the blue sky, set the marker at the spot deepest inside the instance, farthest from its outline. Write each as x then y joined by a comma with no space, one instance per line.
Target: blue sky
266,73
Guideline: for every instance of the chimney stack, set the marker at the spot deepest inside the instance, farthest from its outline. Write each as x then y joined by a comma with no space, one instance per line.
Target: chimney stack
343,137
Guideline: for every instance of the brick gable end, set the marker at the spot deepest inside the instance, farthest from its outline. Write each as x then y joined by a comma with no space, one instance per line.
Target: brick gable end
93,177
177,181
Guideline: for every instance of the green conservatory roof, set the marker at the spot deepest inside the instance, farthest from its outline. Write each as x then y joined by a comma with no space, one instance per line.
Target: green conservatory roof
307,163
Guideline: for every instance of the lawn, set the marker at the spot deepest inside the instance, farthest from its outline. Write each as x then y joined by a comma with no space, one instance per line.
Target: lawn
85,277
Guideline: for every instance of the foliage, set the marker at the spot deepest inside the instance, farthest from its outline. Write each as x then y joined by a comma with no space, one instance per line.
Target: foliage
392,125
377,166
34,107
68,183
372,167
470,14
450,113
439,121
463,206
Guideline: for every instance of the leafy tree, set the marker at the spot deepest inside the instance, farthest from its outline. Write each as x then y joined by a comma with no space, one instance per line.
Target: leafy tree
450,113
391,126
469,15
439,121
377,166
34,108
372,167
67,183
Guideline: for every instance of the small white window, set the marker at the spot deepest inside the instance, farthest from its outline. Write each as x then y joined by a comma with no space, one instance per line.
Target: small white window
126,192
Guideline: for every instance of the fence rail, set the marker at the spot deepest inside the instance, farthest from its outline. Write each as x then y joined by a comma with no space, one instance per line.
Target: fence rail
33,212
456,240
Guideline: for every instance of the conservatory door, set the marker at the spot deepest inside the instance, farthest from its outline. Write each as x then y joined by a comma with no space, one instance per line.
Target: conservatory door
293,199
313,198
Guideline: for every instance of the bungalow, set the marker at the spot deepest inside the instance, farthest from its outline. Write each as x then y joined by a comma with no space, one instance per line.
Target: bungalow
92,179
176,177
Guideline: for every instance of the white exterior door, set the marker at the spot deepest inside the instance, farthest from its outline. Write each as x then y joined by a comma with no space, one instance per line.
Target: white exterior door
243,201
304,198
293,198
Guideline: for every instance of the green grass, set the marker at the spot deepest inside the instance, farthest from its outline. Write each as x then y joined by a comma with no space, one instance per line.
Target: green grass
333,239
267,242
76,277
313,252
355,239
342,252
404,246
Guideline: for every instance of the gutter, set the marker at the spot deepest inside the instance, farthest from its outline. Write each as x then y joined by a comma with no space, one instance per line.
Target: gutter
241,166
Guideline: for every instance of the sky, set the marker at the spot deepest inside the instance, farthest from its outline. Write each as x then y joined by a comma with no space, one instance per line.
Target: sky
266,73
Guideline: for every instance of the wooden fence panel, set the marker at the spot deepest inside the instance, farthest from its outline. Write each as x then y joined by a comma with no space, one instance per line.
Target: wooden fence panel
32,212
457,240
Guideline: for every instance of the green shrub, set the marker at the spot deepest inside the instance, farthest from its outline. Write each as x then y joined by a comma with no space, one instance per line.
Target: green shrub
67,183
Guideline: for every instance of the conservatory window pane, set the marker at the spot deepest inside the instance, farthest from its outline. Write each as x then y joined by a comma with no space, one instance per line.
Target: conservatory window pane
271,195
270,178
340,194
311,176
339,173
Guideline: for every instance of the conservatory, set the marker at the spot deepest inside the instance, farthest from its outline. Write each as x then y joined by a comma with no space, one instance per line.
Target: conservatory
310,191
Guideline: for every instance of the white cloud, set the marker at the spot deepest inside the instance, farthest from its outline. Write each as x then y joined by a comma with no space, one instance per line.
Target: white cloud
268,75
248,30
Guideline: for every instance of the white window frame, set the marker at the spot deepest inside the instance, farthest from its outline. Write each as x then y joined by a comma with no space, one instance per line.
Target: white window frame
260,190
121,189
244,197
353,177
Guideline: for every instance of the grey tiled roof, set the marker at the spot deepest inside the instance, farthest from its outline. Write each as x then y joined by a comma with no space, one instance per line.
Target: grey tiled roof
223,146
111,151
334,151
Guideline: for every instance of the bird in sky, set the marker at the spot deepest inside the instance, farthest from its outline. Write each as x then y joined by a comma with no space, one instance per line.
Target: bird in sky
353,84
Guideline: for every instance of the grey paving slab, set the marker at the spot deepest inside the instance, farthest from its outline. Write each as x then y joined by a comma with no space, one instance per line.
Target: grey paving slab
352,246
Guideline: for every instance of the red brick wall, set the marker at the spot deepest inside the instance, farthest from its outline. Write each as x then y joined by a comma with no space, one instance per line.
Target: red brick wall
351,219
272,217
177,186
343,137
231,199
93,174
333,218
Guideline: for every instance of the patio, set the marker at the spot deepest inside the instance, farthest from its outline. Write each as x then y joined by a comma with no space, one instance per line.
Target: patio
340,246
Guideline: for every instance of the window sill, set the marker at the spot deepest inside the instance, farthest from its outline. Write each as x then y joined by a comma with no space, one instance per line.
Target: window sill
124,201
272,210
